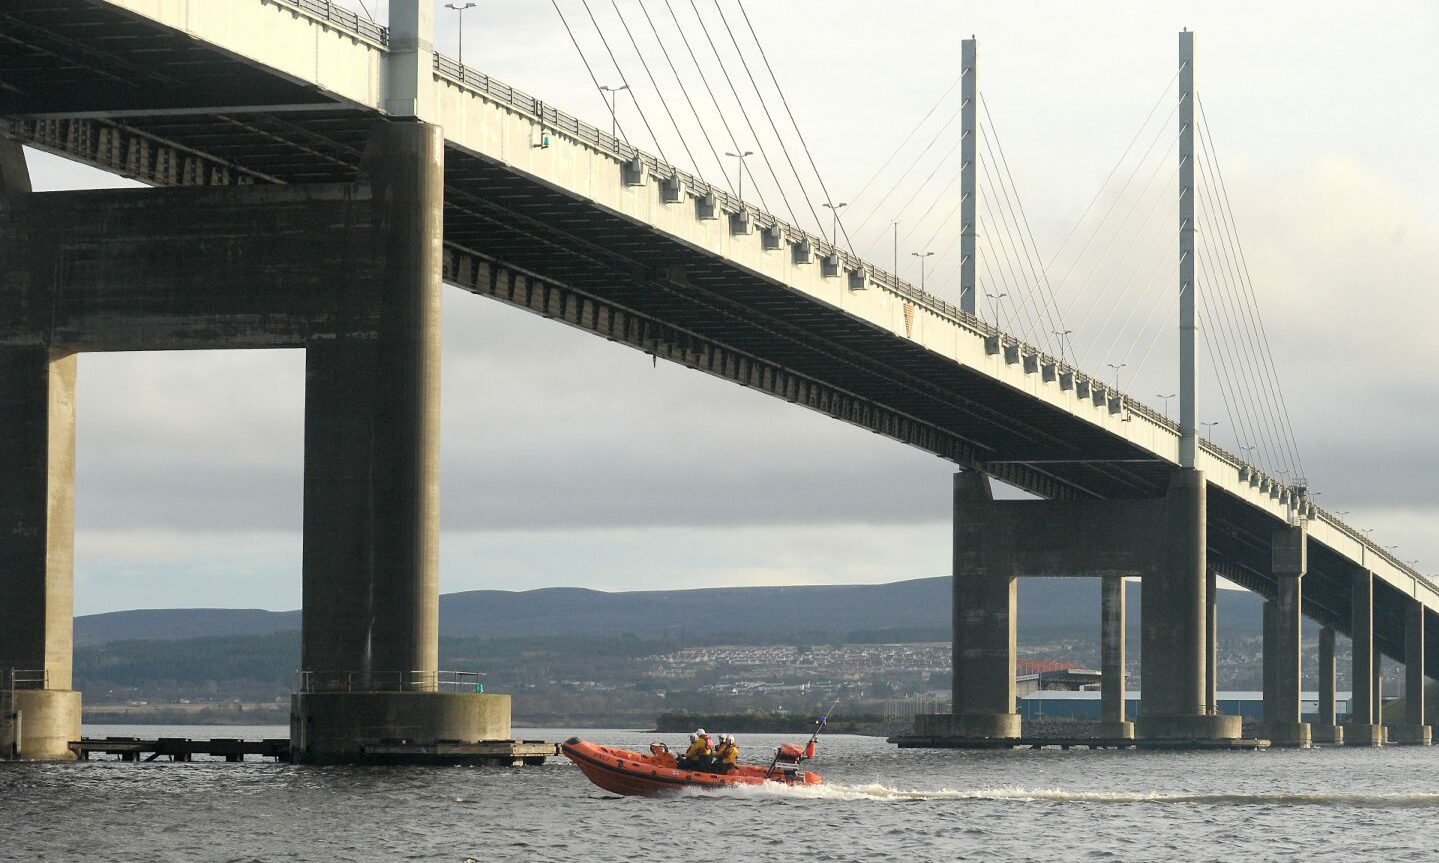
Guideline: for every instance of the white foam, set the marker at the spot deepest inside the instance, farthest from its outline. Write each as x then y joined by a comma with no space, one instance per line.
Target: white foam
883,793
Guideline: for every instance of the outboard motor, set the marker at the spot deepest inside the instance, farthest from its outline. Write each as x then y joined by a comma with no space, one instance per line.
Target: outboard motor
789,753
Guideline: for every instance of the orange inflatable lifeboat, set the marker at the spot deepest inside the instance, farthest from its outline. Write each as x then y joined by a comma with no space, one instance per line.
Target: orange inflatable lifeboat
657,772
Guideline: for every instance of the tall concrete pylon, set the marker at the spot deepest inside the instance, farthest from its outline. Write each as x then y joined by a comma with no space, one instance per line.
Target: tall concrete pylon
1188,286
968,173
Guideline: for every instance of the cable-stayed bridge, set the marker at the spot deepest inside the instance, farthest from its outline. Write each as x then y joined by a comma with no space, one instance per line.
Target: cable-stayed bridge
316,176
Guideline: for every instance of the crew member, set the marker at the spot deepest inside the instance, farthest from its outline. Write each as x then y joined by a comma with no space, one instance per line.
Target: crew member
699,752
727,755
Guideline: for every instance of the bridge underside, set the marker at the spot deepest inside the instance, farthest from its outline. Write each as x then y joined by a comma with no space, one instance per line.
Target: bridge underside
71,83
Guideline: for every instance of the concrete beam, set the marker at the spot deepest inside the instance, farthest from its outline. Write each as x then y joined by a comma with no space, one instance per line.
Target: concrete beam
1059,538
187,268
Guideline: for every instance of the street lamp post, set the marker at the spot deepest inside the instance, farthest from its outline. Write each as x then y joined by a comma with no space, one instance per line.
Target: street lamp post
834,224
613,101
740,156
460,13
1116,373
1209,430
1063,344
994,307
1166,403
921,256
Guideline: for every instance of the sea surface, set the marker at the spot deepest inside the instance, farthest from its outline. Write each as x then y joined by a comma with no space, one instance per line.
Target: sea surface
879,804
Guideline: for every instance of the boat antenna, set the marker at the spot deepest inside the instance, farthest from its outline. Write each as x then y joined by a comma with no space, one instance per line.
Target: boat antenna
820,723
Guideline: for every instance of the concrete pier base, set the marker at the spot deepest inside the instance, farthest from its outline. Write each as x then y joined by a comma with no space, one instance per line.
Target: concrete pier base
1363,734
1110,730
47,721
1329,735
349,727
969,726
1181,728
1292,735
1411,735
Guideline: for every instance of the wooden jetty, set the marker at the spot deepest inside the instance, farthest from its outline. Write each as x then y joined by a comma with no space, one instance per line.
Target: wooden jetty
232,749
506,753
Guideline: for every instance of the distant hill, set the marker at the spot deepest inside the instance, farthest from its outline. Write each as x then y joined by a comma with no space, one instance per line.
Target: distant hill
168,624
913,610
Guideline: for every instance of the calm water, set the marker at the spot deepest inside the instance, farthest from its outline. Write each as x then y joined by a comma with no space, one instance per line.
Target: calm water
880,804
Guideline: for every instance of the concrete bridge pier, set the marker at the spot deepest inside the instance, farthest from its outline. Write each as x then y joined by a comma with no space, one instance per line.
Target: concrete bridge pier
1159,540
984,617
1415,730
1283,723
349,271
1211,667
1174,628
39,712
1326,730
1364,727
370,641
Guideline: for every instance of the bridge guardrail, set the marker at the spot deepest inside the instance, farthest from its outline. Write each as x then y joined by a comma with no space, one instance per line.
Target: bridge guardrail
340,17
389,681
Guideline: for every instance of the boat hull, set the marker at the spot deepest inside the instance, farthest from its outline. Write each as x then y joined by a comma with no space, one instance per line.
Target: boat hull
643,774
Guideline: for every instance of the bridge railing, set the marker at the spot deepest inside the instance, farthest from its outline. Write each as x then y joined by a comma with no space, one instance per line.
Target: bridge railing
340,18
389,681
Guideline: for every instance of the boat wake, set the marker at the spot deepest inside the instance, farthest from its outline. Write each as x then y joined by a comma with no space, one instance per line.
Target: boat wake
884,793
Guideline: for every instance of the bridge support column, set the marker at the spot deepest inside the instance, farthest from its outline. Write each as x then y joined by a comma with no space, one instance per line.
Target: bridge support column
37,524
1326,730
1284,725
1174,645
1415,729
1114,723
1211,666
370,637
1268,660
984,622
1363,728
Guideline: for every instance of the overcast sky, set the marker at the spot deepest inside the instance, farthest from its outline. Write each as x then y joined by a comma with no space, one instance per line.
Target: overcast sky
569,460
